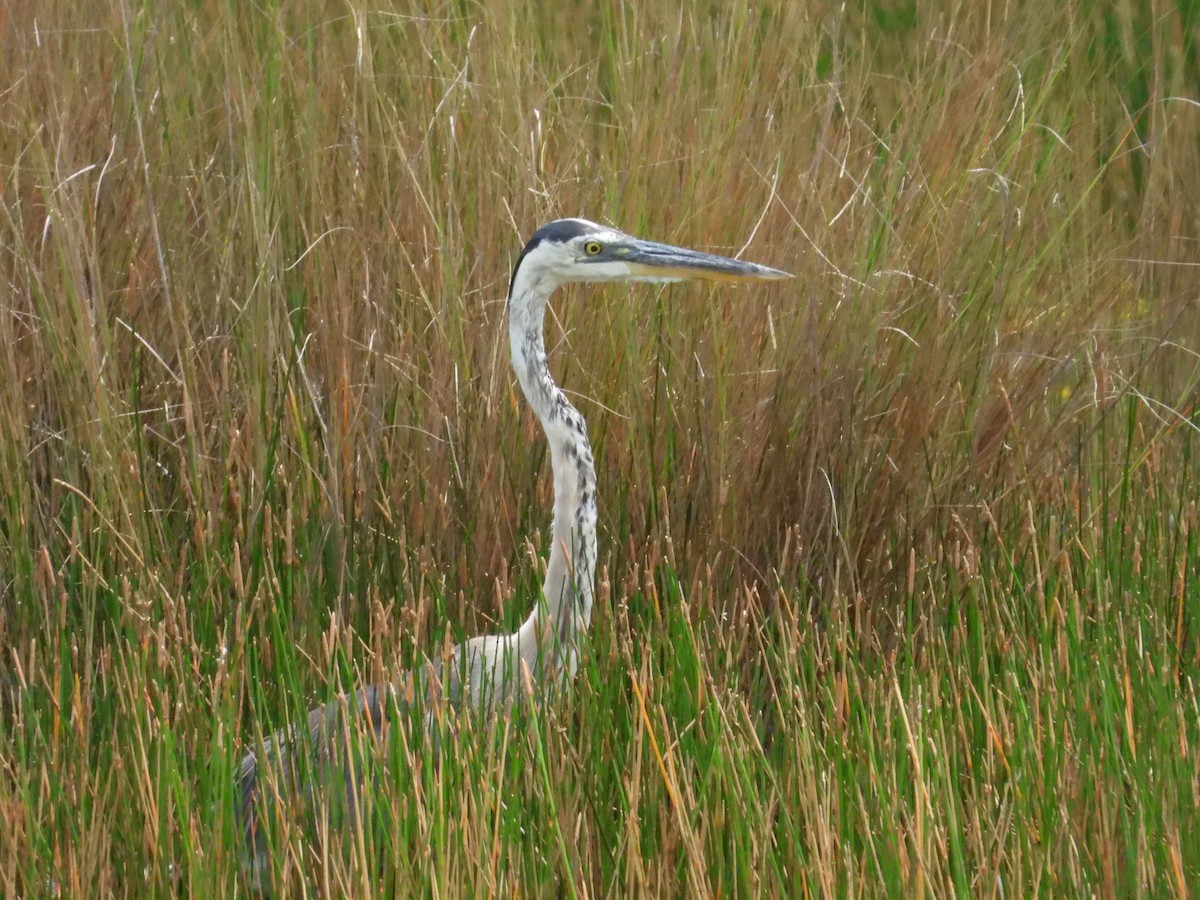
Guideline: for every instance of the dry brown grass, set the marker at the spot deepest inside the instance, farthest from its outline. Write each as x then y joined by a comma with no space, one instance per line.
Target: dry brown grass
876,542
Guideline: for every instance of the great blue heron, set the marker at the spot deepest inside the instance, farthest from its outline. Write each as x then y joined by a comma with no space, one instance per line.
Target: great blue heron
490,671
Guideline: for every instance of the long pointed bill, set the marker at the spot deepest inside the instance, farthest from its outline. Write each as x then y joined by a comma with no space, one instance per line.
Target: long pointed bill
647,259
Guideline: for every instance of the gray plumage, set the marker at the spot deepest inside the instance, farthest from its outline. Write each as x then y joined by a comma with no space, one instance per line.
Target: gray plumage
323,764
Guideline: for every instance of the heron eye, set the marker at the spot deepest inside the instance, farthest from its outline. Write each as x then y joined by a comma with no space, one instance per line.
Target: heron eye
591,248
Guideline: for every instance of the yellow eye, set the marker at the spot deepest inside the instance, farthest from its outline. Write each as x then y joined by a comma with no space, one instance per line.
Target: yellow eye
591,248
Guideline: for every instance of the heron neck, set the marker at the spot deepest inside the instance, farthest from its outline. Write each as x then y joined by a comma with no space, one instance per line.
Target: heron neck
548,640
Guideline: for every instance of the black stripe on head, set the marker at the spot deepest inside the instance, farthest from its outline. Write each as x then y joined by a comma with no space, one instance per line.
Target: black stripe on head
559,231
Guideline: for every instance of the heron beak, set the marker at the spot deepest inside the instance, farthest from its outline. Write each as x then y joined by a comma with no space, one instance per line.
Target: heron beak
647,259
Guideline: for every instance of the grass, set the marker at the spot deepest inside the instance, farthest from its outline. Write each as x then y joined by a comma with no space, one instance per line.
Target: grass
898,588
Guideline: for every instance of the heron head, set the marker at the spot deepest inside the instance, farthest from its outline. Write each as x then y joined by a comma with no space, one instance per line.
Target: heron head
578,250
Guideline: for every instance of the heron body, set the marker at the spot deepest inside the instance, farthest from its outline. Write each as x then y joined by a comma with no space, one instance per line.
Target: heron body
490,671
